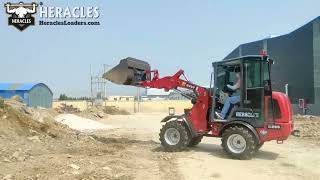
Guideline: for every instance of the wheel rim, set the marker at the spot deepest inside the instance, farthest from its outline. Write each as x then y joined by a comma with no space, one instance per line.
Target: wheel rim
172,136
236,143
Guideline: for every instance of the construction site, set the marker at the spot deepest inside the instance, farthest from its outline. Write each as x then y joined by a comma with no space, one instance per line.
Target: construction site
252,113
131,138
39,143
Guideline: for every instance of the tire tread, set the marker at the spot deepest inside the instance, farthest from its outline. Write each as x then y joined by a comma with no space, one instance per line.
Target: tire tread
250,140
184,138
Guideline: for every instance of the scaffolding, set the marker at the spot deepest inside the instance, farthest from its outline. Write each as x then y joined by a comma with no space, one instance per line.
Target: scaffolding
98,87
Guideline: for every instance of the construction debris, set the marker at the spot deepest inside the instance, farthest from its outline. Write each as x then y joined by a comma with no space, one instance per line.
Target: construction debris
95,112
299,116
113,110
100,115
64,108
101,112
309,126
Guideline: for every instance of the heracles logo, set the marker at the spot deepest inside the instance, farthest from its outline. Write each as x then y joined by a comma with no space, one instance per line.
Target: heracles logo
21,14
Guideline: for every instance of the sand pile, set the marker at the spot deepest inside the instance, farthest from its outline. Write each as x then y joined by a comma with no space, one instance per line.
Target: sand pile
309,126
80,123
17,98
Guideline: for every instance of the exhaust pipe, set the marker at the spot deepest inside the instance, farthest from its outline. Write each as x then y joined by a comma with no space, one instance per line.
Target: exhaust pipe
129,71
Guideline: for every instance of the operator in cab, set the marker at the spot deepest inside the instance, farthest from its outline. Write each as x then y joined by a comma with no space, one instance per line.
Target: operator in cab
230,99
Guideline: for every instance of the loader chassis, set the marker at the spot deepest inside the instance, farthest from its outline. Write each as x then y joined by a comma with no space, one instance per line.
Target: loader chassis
261,115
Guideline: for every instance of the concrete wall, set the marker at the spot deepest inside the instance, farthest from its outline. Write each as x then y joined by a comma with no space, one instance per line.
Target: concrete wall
145,106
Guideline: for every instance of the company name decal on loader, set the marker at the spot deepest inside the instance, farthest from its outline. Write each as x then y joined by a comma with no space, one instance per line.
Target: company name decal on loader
274,126
247,114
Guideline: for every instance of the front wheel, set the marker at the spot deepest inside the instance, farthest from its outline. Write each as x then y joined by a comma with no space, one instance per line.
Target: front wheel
195,141
174,136
238,142
259,146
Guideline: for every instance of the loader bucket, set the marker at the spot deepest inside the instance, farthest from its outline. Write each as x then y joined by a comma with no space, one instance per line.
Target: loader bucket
129,71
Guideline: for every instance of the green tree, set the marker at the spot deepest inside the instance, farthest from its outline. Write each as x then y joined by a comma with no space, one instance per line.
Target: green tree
63,97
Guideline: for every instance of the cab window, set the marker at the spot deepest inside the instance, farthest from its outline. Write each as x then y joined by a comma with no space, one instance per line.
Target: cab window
253,74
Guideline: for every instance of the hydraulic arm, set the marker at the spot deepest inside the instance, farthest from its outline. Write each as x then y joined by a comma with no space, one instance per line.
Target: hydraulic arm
135,72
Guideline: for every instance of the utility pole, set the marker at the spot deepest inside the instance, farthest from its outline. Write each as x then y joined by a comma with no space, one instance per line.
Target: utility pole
91,88
138,99
105,66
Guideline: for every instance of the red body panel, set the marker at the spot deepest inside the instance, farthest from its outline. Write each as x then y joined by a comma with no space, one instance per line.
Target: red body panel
285,121
199,111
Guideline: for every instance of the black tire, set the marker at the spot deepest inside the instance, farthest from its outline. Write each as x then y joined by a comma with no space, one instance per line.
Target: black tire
178,128
195,141
247,141
259,146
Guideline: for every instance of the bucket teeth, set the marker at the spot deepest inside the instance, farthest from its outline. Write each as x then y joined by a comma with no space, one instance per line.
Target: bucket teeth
129,71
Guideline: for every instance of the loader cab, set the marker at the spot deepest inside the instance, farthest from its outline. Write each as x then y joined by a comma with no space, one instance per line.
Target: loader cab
253,74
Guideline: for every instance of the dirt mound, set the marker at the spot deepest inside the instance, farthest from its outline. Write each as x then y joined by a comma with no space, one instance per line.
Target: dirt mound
113,110
100,112
34,146
19,121
95,113
17,98
309,126
64,108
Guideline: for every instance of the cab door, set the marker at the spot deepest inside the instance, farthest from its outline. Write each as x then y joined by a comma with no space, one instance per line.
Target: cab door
252,92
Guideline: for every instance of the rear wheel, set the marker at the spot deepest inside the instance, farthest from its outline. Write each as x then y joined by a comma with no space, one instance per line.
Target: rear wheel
238,142
195,141
174,136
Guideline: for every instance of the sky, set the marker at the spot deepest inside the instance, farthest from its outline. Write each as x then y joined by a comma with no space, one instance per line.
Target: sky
170,35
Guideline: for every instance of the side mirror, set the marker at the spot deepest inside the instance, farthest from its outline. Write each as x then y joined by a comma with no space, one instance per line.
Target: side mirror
271,61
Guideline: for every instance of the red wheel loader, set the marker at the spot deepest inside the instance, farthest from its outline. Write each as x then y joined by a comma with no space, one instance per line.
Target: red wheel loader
261,115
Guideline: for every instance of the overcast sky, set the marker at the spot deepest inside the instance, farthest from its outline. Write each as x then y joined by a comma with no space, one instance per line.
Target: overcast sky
170,35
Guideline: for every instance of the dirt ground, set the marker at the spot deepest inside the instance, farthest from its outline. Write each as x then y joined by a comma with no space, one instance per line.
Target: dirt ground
45,149
41,148
297,158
